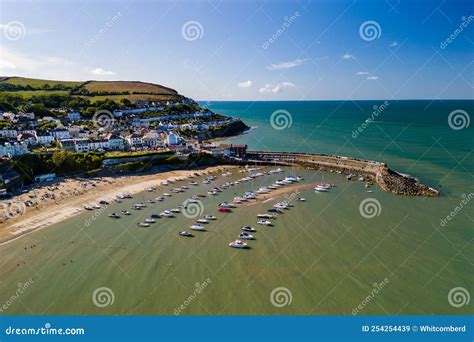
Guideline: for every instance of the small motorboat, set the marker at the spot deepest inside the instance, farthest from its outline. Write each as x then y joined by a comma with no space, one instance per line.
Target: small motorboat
151,189
141,205
125,212
202,221
248,229
167,194
266,216
167,213
226,205
265,223
104,202
149,220
150,201
185,233
301,199
88,207
193,183
114,215
127,195
118,200
197,227
224,210
238,244
155,216
137,207
143,224
175,210
159,198
96,206
246,236
192,200
274,210
210,217
201,195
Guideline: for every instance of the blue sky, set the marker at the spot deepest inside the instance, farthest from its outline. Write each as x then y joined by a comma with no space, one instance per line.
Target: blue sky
322,52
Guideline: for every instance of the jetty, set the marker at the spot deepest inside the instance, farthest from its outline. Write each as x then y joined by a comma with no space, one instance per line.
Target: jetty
380,173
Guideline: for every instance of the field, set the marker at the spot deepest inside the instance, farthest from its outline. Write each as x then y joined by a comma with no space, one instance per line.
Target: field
28,87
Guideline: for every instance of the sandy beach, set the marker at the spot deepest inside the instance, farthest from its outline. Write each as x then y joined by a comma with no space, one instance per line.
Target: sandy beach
43,206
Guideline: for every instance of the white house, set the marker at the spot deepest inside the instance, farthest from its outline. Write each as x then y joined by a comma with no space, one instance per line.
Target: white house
100,144
44,138
60,133
135,139
116,142
14,149
8,133
153,139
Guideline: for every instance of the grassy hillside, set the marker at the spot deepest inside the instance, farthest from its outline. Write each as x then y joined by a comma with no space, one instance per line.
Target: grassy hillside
91,90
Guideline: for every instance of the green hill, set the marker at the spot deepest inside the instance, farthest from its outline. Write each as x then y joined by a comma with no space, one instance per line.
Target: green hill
91,90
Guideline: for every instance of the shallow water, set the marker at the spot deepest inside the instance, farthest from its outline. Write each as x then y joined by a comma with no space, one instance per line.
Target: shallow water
326,256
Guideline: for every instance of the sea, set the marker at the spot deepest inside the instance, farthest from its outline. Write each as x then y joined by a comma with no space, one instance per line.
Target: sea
350,251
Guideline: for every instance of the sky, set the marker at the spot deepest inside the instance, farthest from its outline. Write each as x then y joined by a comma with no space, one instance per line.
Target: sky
249,50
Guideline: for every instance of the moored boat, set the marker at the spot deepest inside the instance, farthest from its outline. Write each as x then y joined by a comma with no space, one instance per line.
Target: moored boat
185,233
238,244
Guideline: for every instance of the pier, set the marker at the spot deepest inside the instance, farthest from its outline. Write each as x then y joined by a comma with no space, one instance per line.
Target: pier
380,173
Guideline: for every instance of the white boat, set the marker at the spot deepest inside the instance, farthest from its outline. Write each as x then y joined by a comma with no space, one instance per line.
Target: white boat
88,207
141,205
159,199
118,200
125,212
301,199
193,183
266,216
143,224
151,189
175,210
150,201
280,182
290,179
114,215
197,227
321,188
265,222
96,206
298,179
165,183
202,221
262,191
280,206
166,213
248,229
192,200
185,233
127,195
149,220
167,194
246,236
210,217
226,205
238,244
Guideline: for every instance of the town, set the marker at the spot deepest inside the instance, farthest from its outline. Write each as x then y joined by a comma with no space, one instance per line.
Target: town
144,126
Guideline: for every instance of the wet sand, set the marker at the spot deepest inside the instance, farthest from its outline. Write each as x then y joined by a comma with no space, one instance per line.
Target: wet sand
61,200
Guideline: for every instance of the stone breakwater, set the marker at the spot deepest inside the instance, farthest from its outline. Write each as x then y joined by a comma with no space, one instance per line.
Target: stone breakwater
387,179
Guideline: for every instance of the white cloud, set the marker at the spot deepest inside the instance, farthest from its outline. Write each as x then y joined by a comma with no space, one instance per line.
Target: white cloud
245,84
275,88
393,44
347,56
372,78
286,65
362,73
101,72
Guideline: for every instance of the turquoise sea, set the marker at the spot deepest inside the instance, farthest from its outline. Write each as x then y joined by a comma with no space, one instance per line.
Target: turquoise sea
322,257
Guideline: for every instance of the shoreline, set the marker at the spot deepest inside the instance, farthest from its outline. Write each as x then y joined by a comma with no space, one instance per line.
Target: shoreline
50,212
